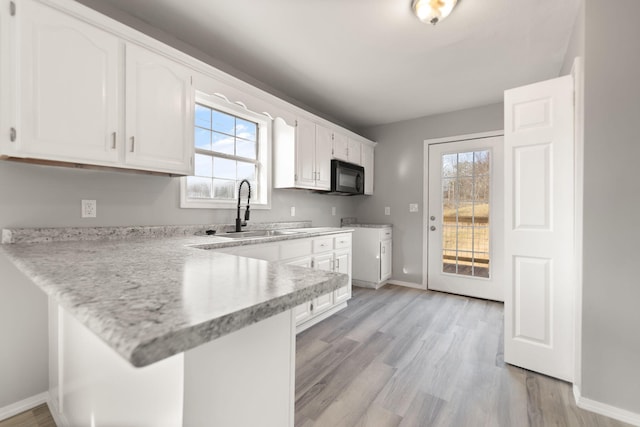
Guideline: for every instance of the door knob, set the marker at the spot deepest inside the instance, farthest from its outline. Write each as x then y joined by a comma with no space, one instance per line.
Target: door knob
432,228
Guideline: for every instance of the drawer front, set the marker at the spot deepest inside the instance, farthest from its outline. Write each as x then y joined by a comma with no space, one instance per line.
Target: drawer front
322,245
295,248
343,241
386,234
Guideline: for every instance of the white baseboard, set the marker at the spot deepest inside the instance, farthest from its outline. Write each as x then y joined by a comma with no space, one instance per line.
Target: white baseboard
406,284
306,325
58,417
23,405
604,409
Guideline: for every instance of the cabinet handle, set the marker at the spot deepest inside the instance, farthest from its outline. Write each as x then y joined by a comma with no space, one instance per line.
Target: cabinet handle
383,250
113,141
338,264
133,144
311,307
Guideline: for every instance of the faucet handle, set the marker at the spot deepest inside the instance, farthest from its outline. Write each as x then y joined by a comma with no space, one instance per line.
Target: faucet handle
247,214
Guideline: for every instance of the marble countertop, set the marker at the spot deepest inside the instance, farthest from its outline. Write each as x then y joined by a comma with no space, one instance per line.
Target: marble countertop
150,298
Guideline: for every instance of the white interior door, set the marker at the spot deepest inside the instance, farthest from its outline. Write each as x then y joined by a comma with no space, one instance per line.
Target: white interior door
465,237
539,232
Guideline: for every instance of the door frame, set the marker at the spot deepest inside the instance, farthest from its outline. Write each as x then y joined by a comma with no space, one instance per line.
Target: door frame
425,190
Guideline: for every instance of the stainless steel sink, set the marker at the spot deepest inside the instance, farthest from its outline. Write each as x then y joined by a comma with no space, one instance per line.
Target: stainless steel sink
256,233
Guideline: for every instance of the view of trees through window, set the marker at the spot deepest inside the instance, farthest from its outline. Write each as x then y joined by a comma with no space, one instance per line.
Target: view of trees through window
226,153
466,180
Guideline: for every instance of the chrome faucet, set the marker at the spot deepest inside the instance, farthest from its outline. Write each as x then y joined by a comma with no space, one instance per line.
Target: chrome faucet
239,222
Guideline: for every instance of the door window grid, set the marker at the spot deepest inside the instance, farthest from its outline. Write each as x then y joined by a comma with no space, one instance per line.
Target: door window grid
465,208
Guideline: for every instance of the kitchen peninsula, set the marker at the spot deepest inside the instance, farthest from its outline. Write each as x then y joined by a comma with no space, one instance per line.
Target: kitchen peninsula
163,330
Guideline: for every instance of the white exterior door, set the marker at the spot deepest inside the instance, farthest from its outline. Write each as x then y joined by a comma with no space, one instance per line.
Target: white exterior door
539,232
465,237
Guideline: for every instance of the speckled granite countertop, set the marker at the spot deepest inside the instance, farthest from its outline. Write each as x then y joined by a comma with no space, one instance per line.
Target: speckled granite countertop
151,298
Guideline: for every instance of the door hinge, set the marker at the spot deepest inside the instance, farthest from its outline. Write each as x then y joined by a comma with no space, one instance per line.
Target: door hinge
332,152
13,134
313,264
295,177
296,123
12,8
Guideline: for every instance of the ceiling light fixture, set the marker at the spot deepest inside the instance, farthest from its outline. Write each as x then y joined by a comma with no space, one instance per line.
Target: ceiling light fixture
433,11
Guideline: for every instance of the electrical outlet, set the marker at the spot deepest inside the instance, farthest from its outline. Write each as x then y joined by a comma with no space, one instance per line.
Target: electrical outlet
293,211
387,210
89,209
333,210
413,207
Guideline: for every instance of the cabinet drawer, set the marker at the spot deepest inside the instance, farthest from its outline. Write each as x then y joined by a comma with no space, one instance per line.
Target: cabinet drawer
322,245
386,234
295,248
343,241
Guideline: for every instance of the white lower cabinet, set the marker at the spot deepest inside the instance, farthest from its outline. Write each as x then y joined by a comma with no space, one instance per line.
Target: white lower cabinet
372,256
330,253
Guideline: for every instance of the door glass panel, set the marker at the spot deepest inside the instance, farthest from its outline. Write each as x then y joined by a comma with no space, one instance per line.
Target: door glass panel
466,179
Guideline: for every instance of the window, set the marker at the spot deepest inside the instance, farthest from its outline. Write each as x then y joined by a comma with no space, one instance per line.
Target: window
231,144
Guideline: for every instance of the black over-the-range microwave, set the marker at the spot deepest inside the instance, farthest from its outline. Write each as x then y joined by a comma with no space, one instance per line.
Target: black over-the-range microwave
346,178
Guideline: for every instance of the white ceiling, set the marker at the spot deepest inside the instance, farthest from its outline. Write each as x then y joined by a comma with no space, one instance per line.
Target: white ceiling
370,62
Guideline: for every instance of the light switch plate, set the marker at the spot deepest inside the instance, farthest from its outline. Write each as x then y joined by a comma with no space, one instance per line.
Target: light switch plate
413,207
293,211
333,210
387,210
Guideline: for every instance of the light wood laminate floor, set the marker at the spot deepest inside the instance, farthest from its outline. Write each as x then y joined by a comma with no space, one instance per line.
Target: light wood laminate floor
404,357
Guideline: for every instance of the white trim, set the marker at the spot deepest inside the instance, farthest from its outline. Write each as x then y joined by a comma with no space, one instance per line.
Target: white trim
265,135
56,413
407,284
306,325
425,189
23,405
578,78
605,409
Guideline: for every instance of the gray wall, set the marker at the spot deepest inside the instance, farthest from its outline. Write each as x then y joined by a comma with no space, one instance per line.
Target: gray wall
611,288
399,177
576,43
34,196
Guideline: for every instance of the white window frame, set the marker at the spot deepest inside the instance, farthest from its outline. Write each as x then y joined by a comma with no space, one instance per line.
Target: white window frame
262,200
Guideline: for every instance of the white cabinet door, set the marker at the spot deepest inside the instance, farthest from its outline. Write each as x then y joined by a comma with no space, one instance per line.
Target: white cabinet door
323,158
367,162
303,311
342,263
305,153
68,88
340,146
385,259
159,106
323,302
354,152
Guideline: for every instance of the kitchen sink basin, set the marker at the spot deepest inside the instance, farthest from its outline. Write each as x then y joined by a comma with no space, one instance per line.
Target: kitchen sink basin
256,233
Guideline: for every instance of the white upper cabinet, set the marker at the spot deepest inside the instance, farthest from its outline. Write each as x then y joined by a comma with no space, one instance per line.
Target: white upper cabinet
346,149
302,155
71,77
68,74
305,149
340,146
367,163
159,107
323,158
354,152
